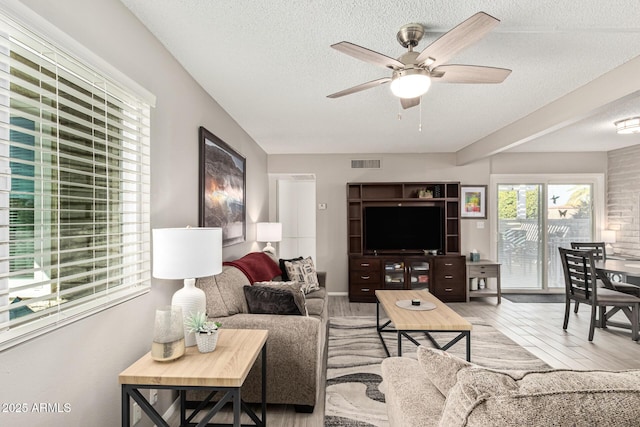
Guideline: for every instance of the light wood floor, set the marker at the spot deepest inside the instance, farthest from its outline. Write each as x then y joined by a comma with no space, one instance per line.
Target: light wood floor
537,327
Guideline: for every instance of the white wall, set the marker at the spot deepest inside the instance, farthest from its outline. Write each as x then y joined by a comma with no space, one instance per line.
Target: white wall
333,172
79,364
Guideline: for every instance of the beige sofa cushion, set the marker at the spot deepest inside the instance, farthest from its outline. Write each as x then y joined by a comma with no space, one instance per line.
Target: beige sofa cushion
441,367
224,293
215,304
483,397
410,397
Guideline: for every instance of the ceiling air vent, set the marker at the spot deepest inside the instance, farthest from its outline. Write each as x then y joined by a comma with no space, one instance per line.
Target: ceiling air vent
366,164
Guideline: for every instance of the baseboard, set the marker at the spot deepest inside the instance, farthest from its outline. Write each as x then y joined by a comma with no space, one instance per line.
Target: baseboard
338,294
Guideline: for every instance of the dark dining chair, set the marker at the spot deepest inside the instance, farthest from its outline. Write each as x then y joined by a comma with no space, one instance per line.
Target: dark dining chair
600,254
580,286
598,248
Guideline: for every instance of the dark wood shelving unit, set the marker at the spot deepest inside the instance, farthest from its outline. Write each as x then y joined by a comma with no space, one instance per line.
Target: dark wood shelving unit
446,272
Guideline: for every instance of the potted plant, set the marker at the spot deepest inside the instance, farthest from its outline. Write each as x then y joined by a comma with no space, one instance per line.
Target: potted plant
206,332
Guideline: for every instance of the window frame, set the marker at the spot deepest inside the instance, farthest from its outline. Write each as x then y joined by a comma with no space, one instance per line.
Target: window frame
80,60
596,180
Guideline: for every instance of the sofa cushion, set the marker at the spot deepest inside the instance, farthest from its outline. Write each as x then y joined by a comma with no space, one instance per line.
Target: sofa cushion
285,299
215,303
410,397
230,283
295,287
315,306
441,367
483,397
319,294
303,271
283,268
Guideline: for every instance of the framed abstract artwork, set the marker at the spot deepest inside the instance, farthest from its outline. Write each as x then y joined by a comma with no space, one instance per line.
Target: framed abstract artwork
473,201
221,188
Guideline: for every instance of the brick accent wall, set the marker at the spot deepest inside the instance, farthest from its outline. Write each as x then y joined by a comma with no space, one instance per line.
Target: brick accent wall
623,198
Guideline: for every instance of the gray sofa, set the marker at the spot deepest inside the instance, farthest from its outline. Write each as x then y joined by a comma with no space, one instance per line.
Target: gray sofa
442,390
296,345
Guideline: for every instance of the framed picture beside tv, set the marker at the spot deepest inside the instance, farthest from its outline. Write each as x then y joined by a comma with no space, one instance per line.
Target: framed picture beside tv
473,201
221,188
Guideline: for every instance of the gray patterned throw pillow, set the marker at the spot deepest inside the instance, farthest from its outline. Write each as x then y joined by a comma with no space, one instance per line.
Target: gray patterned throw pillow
303,272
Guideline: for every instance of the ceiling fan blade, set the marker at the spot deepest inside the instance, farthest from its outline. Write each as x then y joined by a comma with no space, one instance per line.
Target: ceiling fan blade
360,87
452,42
409,102
469,74
367,55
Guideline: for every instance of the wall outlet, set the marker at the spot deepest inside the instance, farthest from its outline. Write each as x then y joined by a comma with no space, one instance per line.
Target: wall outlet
137,413
153,395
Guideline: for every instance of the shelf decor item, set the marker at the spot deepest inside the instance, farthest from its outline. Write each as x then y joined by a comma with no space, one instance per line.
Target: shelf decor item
425,194
206,332
187,254
473,201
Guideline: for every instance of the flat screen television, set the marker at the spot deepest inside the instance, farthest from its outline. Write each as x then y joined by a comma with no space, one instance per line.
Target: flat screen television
403,228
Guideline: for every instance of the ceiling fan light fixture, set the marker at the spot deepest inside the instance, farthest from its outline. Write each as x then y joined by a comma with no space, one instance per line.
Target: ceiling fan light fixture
628,126
410,83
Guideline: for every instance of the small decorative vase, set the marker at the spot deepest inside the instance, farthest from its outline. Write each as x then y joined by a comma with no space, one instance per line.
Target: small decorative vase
206,342
168,334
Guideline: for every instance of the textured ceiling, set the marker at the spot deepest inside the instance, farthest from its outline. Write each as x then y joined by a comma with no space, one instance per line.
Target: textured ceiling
269,65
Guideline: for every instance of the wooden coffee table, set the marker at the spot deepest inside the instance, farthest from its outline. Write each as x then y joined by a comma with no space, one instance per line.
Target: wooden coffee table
405,321
223,370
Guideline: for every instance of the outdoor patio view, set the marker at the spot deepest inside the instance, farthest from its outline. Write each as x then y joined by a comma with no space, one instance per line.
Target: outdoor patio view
527,254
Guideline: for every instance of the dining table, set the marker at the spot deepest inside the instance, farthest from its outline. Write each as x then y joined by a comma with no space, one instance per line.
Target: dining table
618,270
625,268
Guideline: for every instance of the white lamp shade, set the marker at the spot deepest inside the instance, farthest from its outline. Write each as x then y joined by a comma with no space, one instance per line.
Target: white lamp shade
608,236
184,253
269,232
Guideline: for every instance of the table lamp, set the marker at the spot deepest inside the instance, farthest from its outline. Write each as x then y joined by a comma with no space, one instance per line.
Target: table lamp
608,237
187,253
269,232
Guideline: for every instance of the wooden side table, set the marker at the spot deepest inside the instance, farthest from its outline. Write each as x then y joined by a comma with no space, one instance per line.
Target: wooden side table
484,269
223,370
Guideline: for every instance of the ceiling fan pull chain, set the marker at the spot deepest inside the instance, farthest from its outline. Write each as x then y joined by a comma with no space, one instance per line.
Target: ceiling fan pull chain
420,124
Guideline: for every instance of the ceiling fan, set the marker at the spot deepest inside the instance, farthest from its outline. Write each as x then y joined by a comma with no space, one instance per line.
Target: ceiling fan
413,71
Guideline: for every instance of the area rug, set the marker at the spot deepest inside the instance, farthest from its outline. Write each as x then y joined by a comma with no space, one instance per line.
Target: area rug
535,298
354,393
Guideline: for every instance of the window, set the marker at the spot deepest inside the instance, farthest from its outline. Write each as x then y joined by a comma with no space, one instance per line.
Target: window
74,188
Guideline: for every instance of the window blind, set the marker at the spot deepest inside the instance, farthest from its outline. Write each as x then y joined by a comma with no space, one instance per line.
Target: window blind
74,188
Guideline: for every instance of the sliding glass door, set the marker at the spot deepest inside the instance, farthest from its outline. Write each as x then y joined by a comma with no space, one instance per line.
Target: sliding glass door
569,219
519,238
534,219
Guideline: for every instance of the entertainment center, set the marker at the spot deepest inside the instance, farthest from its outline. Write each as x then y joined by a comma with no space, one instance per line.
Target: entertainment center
405,235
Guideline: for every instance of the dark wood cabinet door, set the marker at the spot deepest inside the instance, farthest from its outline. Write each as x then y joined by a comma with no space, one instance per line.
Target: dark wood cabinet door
449,278
365,276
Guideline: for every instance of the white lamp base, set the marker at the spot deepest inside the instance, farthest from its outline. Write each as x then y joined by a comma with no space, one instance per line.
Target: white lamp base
269,249
192,300
609,249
